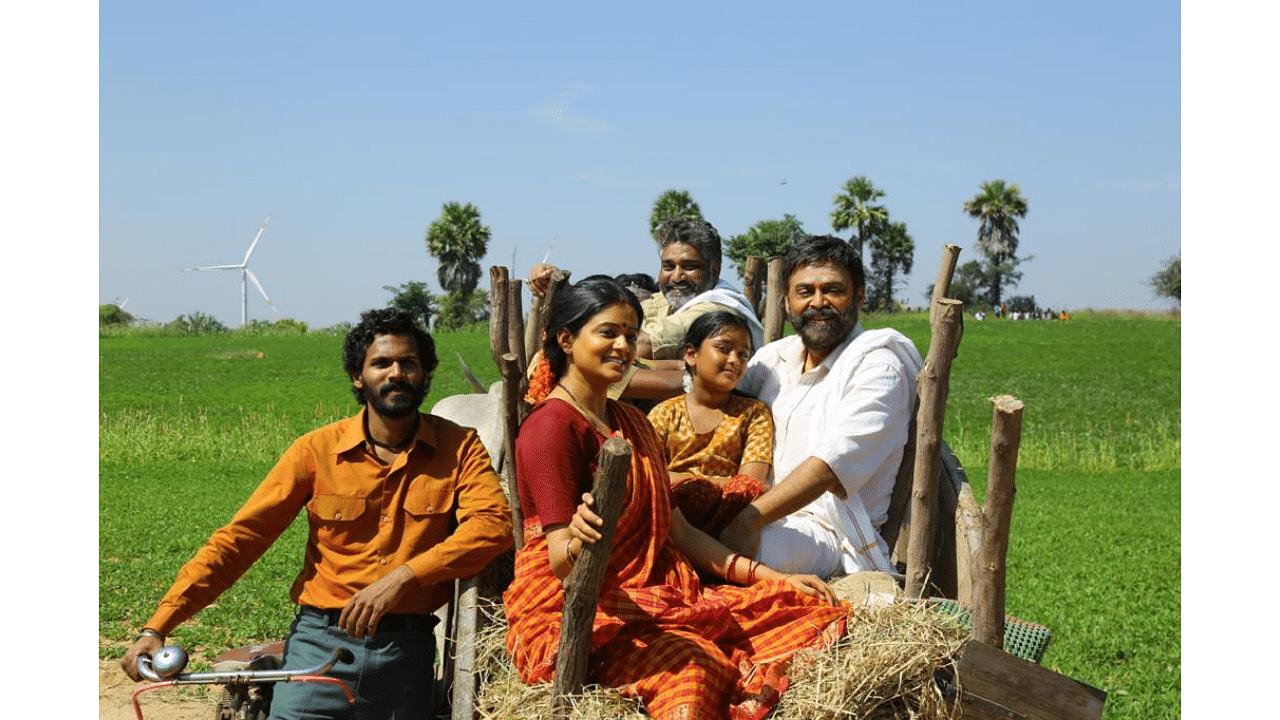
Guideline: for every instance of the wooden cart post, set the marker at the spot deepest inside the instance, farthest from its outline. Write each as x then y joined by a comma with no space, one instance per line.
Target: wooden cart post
512,409
776,290
463,651
933,384
498,320
752,274
506,343
946,269
989,574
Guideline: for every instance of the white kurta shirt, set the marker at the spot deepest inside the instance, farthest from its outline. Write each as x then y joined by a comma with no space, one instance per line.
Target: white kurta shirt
852,412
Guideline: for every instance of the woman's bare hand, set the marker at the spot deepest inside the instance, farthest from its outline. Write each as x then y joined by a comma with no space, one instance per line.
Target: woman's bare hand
812,585
584,523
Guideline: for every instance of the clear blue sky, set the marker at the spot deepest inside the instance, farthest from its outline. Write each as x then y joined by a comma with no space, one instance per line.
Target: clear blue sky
353,123
354,128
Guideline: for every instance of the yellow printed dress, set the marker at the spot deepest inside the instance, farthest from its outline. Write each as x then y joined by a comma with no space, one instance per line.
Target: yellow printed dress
745,435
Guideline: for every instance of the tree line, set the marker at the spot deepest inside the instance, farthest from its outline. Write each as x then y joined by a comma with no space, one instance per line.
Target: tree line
858,209
458,240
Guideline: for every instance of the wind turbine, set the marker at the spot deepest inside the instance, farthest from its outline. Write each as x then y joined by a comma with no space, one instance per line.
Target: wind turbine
245,276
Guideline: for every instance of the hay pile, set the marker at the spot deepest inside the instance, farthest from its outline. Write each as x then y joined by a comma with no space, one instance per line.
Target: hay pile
884,667
502,694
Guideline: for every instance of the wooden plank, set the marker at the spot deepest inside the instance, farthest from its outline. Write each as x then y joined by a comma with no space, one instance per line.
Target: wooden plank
901,496
976,708
968,528
1022,687
446,637
539,308
752,277
942,563
946,268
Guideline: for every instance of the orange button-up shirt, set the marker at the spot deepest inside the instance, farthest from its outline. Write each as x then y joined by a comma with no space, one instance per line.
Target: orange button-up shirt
438,508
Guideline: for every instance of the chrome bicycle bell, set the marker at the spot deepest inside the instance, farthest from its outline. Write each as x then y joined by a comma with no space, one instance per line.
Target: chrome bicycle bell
169,661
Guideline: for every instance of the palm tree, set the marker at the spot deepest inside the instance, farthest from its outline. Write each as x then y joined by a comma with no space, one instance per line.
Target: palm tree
998,207
892,252
673,204
852,211
458,241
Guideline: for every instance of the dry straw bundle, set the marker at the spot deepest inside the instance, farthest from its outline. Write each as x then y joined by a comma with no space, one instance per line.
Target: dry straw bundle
502,694
886,666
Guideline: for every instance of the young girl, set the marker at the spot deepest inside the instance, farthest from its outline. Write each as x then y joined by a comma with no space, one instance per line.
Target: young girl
690,651
719,446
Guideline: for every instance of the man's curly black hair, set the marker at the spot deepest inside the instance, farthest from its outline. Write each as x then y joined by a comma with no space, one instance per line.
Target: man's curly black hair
386,321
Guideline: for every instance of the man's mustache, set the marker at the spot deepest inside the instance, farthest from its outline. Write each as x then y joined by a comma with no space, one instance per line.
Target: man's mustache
401,385
819,314
684,288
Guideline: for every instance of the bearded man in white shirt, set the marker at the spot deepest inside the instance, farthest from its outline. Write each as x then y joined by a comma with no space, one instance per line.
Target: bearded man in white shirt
842,399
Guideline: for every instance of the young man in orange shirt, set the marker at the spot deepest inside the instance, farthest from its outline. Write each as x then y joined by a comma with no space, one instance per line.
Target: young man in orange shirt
399,502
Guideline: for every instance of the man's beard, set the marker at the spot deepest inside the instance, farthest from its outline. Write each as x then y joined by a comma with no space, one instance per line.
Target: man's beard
677,294
824,336
400,406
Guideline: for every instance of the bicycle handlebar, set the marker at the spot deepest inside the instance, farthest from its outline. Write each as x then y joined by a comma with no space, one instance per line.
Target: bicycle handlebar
146,669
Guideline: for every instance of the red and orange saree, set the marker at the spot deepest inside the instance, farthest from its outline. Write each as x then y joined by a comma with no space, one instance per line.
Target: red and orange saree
688,650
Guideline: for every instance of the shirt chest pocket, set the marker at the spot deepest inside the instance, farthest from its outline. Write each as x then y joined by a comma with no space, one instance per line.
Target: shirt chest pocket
341,520
429,496
337,508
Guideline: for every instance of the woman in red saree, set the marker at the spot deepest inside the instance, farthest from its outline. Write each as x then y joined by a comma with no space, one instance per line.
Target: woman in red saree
687,650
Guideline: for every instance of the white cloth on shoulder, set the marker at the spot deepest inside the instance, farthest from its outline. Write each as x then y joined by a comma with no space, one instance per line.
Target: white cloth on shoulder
725,294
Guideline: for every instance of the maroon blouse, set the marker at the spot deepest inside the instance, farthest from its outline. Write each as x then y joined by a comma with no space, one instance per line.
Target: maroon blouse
556,456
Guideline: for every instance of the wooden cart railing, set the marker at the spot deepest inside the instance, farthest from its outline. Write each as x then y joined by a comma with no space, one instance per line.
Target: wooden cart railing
952,548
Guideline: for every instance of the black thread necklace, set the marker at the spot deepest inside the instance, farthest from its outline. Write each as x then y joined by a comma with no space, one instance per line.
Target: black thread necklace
398,446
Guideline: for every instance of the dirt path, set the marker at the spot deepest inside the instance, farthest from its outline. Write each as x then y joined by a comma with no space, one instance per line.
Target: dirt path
115,702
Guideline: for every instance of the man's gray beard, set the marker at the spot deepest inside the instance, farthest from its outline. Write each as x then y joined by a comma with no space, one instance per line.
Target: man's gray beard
677,297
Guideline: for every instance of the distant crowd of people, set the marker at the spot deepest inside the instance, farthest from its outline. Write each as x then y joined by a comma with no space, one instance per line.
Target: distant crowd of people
1003,310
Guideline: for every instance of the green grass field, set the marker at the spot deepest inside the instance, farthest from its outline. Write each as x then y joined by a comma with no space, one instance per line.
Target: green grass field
189,425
